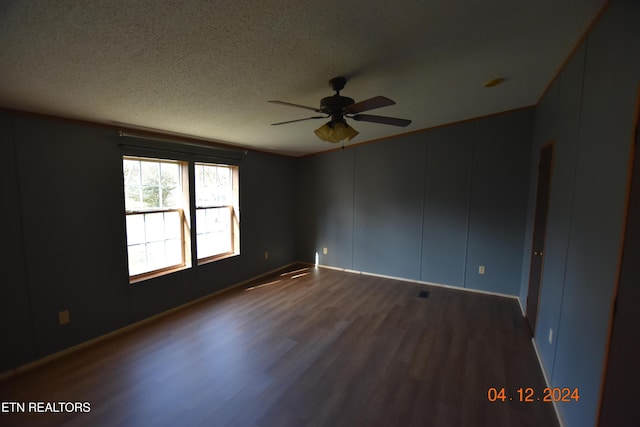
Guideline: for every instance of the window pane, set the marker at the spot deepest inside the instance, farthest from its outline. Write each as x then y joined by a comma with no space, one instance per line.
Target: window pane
214,185
135,229
173,251
201,221
204,246
214,235
150,184
172,225
169,185
132,185
156,258
133,198
154,226
131,169
137,259
224,234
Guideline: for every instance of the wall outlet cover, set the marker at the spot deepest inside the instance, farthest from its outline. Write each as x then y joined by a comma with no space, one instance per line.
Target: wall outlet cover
63,317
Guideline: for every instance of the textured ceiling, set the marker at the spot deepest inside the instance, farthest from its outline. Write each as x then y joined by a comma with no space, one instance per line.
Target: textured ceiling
207,69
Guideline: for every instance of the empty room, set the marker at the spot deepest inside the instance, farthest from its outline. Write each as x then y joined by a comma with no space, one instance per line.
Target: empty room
334,213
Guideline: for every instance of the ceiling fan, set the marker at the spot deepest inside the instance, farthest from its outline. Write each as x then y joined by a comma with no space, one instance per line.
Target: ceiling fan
340,107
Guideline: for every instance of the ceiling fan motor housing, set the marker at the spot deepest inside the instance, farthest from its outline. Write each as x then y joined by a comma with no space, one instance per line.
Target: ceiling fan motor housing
335,105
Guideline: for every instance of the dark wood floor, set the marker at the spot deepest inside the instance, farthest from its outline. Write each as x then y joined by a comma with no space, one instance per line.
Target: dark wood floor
316,348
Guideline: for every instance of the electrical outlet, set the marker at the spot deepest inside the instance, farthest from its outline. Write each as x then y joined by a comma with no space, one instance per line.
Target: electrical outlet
550,335
481,269
63,317
325,251
266,254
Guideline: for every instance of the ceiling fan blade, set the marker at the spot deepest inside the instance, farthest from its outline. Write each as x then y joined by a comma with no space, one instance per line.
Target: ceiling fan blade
368,104
289,104
381,119
298,120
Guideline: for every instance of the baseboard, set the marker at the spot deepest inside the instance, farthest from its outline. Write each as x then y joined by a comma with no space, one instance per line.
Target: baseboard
524,312
547,382
85,344
441,285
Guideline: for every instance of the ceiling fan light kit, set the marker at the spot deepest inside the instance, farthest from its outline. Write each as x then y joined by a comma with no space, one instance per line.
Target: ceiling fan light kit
335,132
338,107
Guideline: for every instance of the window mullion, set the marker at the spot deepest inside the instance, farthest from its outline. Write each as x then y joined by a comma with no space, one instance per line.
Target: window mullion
140,191
159,185
146,249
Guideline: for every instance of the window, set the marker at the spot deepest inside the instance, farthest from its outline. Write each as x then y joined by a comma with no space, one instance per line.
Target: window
158,218
155,204
217,219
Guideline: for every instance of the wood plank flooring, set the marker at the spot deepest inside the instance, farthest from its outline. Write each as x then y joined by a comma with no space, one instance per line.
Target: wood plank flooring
313,347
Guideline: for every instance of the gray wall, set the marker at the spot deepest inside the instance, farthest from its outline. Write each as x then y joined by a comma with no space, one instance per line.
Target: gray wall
429,206
589,113
16,328
64,237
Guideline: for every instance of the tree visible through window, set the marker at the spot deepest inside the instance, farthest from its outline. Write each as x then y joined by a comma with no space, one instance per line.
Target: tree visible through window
155,215
157,196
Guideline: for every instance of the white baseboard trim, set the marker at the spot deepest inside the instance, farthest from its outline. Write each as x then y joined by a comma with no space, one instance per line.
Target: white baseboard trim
547,382
92,341
524,312
420,282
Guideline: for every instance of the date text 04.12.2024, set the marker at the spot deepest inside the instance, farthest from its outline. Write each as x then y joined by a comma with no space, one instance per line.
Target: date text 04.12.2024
528,394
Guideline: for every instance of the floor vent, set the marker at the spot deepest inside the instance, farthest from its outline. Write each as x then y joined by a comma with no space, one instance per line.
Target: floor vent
424,294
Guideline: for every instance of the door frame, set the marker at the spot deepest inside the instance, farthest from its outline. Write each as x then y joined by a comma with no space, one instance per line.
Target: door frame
532,308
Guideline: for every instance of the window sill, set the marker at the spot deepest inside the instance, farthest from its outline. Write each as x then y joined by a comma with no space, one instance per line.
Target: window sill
152,275
217,258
